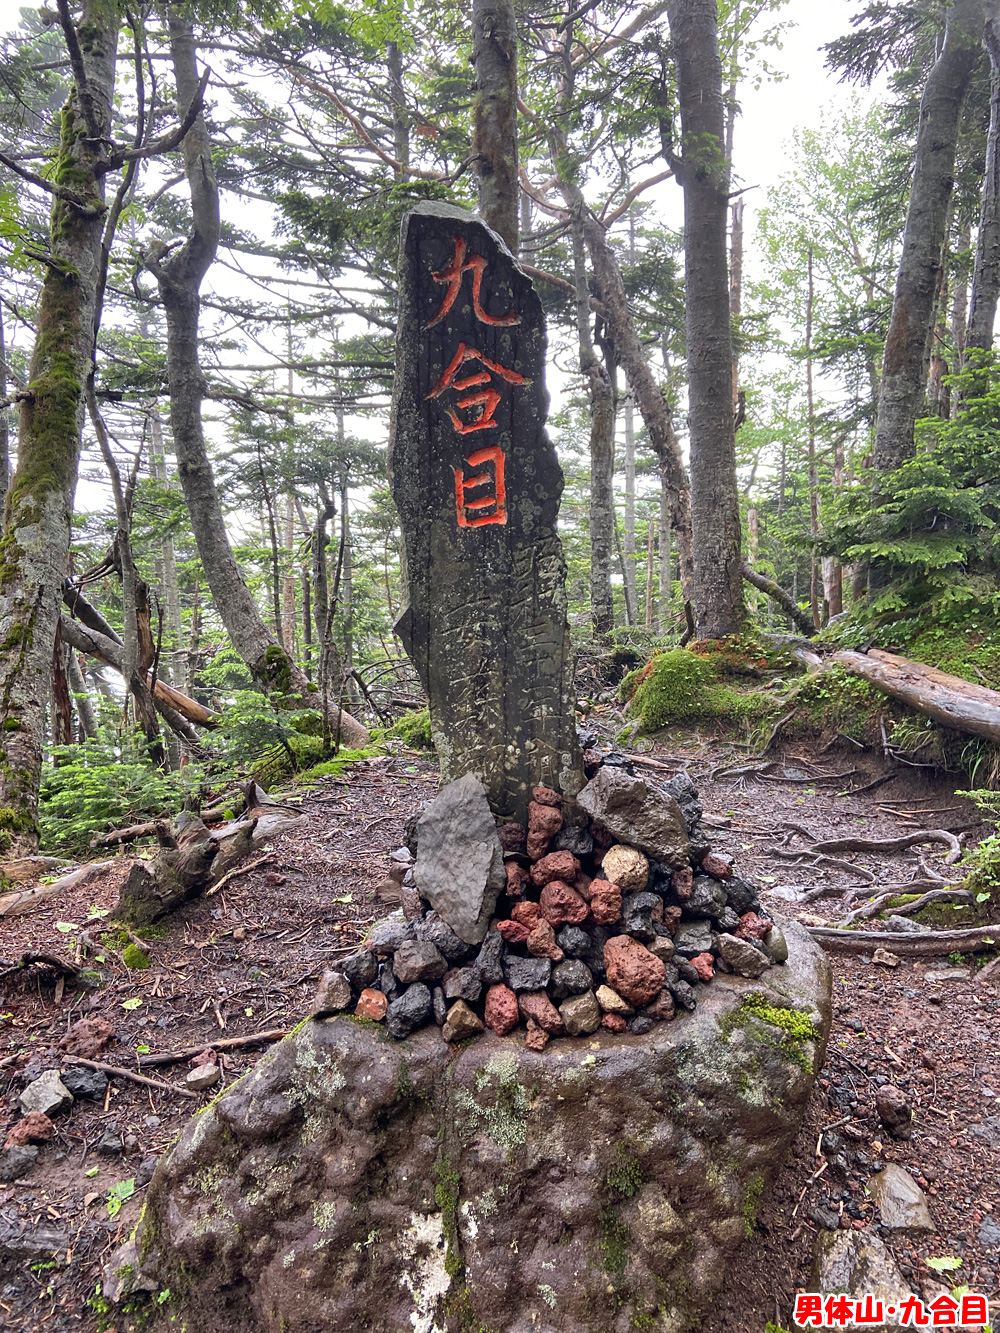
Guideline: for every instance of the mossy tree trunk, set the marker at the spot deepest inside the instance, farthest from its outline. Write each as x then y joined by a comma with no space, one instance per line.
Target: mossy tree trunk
179,277
36,528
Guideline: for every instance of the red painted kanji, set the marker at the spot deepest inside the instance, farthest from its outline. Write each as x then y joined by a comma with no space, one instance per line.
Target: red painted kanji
453,274
484,403
473,513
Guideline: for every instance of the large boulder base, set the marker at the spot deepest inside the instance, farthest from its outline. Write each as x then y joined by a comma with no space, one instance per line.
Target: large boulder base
605,1184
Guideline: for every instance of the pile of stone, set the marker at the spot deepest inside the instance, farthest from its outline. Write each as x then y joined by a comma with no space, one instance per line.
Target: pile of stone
608,912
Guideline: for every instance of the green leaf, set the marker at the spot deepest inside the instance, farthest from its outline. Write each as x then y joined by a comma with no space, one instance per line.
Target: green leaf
946,1263
66,927
117,1195
92,1172
134,1003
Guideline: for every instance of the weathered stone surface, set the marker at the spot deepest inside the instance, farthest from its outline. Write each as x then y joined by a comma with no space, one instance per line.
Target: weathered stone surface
561,905
502,1014
901,1203
34,1128
555,865
605,902
637,814
372,1004
574,942
263,1214
527,973
87,1037
477,486
333,994
858,1263
581,1014
536,1007
542,943
489,960
459,865
743,957
612,1003
571,977
894,1110
418,960
693,937
461,1022
47,1094
641,914
16,1162
360,969
202,1077
413,1008
90,1084
463,983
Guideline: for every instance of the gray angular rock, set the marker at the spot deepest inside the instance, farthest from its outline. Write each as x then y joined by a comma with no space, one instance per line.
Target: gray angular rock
741,895
387,935
637,814
202,1077
110,1142
523,974
682,993
907,923
745,959
662,947
693,937
901,1203
90,1084
685,793
333,994
16,1161
570,977
640,1026
857,1263
574,941
418,960
360,969
988,1234
581,1014
261,1177
641,913
708,897
439,1006
412,1010
775,945
47,1094
463,983
727,920
459,865
575,839
489,960
386,981
432,929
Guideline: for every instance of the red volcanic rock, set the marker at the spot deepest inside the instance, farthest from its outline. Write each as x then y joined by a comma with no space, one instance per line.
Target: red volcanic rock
501,1010
562,905
516,879
662,1009
605,902
542,943
602,838
87,1037
537,1038
514,932
752,927
582,883
703,965
511,837
672,919
716,867
557,865
372,1004
614,1023
633,971
535,1006
527,913
547,796
34,1128
544,822
682,882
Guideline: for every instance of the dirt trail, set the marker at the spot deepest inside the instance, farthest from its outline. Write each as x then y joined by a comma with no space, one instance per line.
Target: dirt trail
248,959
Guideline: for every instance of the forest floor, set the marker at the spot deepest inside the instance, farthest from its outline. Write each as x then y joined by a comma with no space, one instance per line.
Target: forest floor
248,958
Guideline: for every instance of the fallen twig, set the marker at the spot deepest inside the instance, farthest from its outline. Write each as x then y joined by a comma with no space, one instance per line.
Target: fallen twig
117,1072
230,875
158,828
26,900
894,844
224,1044
870,786
62,965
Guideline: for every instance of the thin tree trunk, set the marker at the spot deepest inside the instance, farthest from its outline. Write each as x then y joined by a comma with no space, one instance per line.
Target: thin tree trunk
960,299
36,536
986,273
602,443
735,281
653,406
194,639
81,696
288,578
811,446
629,561
400,119
494,115
62,706
179,276
168,555
663,601
904,365
703,175
650,541
4,418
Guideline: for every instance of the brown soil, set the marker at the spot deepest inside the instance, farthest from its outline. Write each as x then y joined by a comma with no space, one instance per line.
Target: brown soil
248,958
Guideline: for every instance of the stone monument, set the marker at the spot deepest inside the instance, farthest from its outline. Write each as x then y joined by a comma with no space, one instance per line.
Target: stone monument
477,485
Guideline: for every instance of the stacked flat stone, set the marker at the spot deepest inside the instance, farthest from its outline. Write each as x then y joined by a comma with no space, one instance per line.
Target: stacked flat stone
613,922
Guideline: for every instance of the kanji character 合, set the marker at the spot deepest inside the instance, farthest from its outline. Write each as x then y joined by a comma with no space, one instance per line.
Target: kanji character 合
473,513
808,1309
944,1311
453,277
485,401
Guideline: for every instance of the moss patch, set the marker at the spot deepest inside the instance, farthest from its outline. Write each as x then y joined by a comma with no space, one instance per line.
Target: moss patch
414,730
797,1029
680,686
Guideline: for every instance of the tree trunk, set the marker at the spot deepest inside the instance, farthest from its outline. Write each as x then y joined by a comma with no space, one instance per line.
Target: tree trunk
4,418
650,544
811,437
494,115
907,347
81,697
799,618
629,562
602,440
649,398
288,577
35,542
663,601
62,705
986,273
179,277
400,119
735,277
703,175
171,586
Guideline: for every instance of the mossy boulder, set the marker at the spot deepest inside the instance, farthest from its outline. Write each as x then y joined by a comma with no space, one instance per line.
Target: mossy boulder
605,1184
681,686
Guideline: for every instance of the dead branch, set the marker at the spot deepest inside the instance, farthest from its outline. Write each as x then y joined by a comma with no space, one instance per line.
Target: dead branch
26,900
116,1071
894,844
158,828
239,870
914,945
31,958
224,1044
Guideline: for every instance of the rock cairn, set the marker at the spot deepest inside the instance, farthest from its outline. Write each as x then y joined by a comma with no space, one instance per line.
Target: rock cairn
613,921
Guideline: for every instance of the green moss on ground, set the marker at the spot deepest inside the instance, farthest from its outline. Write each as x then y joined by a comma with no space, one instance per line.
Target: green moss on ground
414,729
681,686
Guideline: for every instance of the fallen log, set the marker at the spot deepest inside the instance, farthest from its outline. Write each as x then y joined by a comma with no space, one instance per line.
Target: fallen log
948,700
973,940
802,620
26,900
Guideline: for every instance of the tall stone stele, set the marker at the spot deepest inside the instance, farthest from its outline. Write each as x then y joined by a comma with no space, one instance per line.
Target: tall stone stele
477,485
